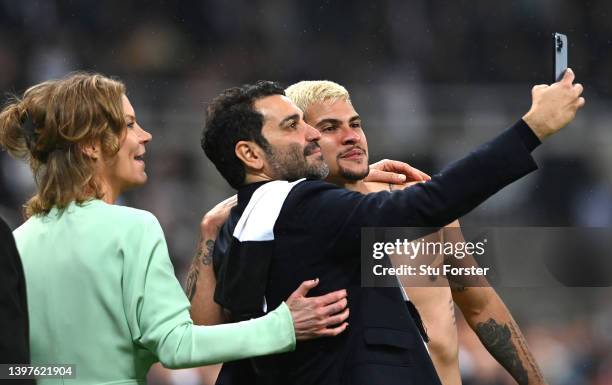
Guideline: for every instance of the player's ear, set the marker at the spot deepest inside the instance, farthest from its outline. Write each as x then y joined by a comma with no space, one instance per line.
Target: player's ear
250,154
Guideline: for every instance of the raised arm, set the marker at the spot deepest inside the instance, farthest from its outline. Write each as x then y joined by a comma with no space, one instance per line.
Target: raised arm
468,182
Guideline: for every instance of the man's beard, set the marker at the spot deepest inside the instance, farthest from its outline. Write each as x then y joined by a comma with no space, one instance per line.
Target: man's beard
292,164
352,174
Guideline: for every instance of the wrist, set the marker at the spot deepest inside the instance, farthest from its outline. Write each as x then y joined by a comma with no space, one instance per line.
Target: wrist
538,128
209,227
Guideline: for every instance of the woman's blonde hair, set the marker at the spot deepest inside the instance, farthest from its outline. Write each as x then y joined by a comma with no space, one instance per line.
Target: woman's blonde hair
48,127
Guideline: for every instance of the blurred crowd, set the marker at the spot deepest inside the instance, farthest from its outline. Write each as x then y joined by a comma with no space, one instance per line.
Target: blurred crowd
431,79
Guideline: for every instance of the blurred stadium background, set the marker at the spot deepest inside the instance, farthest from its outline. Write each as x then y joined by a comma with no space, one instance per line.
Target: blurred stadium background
431,80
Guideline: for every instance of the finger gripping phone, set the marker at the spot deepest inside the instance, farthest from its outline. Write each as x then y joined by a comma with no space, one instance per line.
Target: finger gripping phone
559,55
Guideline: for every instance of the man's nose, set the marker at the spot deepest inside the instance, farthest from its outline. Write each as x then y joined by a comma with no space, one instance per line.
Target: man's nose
349,135
312,134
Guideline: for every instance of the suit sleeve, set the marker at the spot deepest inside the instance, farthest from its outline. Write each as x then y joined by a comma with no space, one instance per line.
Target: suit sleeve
452,193
158,314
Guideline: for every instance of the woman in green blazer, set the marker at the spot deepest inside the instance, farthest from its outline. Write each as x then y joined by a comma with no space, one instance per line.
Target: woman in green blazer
102,293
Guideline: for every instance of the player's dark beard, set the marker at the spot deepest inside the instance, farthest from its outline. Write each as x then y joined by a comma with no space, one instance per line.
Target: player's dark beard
351,174
292,164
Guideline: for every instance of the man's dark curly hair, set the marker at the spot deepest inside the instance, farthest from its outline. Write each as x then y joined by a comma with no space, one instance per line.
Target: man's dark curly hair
231,118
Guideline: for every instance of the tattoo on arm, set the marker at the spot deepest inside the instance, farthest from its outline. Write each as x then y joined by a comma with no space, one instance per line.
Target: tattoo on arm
498,341
452,310
204,255
207,254
192,280
535,369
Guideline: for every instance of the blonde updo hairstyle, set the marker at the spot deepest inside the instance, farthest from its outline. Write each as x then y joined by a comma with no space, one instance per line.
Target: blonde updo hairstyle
49,126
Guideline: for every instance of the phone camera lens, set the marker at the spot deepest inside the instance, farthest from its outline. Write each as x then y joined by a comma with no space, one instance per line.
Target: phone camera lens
559,43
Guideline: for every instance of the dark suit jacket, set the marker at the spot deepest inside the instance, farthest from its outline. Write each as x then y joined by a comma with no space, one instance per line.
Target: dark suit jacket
14,337
317,233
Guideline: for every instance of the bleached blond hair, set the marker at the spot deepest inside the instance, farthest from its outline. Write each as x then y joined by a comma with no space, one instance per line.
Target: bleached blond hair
308,92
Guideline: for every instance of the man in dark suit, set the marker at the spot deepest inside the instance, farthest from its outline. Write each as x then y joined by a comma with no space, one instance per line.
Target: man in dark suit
285,229
14,336
328,107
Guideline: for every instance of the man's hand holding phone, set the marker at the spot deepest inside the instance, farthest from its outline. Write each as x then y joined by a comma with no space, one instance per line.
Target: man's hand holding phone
554,106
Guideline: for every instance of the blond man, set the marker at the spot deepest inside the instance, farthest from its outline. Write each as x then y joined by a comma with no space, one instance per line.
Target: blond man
327,106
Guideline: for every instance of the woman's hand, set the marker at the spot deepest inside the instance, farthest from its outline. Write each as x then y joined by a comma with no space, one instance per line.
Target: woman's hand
315,317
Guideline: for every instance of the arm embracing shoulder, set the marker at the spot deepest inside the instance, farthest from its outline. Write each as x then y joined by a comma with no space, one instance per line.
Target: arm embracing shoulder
157,311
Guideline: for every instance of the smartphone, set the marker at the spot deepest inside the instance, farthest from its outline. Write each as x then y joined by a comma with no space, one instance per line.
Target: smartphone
559,55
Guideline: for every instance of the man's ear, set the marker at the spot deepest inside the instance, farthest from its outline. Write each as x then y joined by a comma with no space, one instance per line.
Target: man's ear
250,154
91,150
